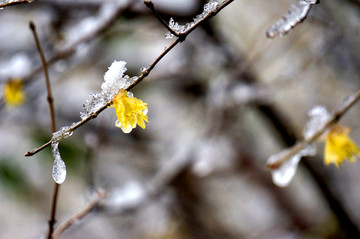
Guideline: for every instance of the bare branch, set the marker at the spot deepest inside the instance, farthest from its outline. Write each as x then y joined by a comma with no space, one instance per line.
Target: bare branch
78,216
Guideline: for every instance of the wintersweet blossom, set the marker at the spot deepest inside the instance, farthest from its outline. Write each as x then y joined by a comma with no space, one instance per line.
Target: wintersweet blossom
13,92
130,111
339,147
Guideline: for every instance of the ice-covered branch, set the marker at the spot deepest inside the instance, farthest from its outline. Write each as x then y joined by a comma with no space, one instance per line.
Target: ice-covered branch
5,3
276,163
296,14
132,82
78,216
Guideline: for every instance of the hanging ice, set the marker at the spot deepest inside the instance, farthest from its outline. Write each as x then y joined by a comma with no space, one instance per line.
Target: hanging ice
295,15
319,116
283,175
59,168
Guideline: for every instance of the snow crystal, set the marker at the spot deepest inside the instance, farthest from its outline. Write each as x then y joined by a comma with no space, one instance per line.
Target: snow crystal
176,27
319,116
114,80
59,168
285,173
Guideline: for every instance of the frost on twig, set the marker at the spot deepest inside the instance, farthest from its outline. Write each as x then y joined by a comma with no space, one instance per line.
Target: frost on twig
181,29
114,80
283,175
296,14
319,117
4,3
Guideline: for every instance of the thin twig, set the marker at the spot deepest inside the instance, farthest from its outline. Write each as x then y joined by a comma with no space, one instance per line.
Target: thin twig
70,49
335,117
151,6
78,216
50,100
143,75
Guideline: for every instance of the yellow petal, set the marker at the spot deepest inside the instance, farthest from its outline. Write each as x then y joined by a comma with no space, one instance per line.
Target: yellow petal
129,111
339,147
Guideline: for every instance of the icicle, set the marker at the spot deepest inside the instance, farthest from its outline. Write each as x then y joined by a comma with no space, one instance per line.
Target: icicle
59,168
285,173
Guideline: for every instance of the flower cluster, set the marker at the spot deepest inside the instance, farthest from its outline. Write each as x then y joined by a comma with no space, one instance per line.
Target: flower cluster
130,111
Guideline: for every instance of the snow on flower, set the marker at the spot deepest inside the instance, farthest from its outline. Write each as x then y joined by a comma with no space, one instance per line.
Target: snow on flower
339,147
130,111
13,93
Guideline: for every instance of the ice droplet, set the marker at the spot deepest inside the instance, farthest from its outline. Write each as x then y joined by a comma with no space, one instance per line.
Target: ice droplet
319,116
130,94
61,134
283,175
59,168
169,35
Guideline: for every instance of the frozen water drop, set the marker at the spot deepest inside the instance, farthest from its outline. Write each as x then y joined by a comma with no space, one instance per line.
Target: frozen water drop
130,94
283,175
59,168
145,112
171,22
142,69
169,35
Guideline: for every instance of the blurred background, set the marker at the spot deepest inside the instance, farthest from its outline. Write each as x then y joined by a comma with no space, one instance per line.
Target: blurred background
220,103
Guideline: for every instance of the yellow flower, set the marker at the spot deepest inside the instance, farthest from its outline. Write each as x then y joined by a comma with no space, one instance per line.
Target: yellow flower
129,111
339,147
13,92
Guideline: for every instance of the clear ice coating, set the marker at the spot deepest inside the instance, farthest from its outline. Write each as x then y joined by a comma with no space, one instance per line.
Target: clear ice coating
295,15
114,80
319,116
59,168
63,133
285,173
176,27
